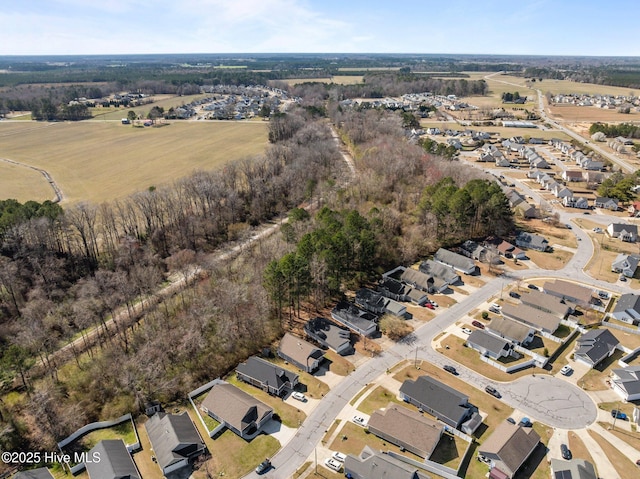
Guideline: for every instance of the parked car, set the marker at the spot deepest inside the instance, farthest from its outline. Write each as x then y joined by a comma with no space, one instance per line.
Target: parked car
494,310
533,286
568,226
603,294
450,369
359,420
263,467
299,396
466,331
338,456
477,324
493,391
511,420
513,294
333,464
433,303
429,305
619,415
525,422
622,278
495,305
566,453
566,370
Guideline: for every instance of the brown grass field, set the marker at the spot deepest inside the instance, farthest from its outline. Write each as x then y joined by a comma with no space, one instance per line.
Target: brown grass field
339,79
163,101
593,114
100,161
26,184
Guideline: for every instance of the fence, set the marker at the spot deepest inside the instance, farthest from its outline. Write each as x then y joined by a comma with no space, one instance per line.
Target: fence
433,467
625,360
509,369
197,392
619,327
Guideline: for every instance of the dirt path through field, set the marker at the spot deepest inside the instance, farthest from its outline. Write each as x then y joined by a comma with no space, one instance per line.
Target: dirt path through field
56,189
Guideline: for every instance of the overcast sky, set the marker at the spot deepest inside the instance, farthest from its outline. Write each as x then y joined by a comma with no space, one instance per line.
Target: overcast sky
538,27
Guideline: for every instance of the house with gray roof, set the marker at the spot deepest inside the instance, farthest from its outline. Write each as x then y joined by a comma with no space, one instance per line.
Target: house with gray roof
514,331
573,469
300,353
490,345
39,473
439,271
625,264
456,261
607,203
236,410
531,241
546,302
508,447
627,309
174,439
376,303
427,282
406,428
536,318
354,318
267,376
394,289
329,335
569,291
115,461
595,346
372,464
626,382
623,231
441,401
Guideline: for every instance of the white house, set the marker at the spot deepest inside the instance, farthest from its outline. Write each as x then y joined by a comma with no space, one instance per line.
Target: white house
625,232
625,264
627,309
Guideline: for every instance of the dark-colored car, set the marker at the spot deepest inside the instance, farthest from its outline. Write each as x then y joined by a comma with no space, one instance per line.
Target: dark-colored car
263,467
566,453
450,369
493,391
513,294
533,286
525,422
477,324
618,415
511,420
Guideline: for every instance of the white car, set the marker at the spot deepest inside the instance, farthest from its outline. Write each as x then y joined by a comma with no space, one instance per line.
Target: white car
495,305
338,456
299,396
566,370
333,464
466,331
359,420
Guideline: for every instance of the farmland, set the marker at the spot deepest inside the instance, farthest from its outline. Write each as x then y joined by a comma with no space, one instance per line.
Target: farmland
100,161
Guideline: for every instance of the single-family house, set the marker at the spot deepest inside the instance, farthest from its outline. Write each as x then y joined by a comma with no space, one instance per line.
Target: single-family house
474,250
372,464
606,203
560,191
536,318
626,382
115,461
267,376
572,469
569,291
456,261
526,210
505,247
627,309
396,290
507,449
439,271
490,345
174,439
546,302
572,175
634,209
531,241
596,177
623,231
441,401
329,335
300,353
406,428
514,331
236,410
416,279
354,318
625,264
594,346
39,473
575,202
377,303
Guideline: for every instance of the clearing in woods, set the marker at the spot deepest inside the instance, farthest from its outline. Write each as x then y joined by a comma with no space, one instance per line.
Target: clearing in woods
101,161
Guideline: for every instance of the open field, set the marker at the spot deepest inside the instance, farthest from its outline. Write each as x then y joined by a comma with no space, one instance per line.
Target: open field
591,114
101,161
26,184
339,79
163,101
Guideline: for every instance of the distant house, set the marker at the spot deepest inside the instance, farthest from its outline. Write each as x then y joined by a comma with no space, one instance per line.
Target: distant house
546,302
606,203
536,318
514,331
625,264
354,318
627,309
235,409
623,231
594,346
572,175
626,382
507,449
406,428
329,335
573,469
39,473
569,291
372,464
526,210
115,461
456,261
575,202
267,376
174,439
300,353
490,345
441,401
531,241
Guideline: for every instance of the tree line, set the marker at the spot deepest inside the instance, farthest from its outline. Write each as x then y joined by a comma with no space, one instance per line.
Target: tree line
611,130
